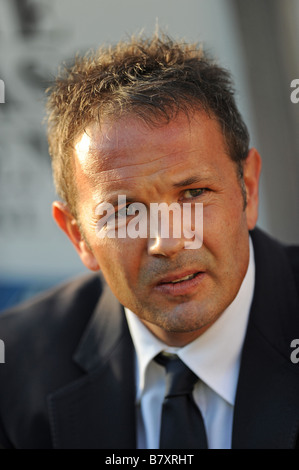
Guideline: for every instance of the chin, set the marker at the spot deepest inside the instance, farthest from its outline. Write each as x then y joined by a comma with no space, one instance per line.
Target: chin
186,319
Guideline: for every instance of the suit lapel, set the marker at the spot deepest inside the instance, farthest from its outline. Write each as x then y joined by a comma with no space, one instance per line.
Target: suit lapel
98,410
266,408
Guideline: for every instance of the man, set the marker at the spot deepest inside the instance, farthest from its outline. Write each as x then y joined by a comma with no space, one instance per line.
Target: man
154,122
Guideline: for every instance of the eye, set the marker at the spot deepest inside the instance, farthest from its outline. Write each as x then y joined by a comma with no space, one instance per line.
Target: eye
127,211
123,212
192,193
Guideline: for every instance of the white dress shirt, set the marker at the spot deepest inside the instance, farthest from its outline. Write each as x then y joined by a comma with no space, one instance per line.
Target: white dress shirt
214,357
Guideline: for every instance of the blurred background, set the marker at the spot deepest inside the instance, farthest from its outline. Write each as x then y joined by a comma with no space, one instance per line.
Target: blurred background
257,40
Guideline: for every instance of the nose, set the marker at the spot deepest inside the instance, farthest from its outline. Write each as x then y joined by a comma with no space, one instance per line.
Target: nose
168,247
166,235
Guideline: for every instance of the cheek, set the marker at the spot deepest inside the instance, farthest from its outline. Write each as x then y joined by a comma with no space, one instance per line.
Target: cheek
119,259
222,224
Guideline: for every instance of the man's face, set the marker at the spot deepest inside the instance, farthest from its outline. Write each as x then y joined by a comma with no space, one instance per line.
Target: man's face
185,161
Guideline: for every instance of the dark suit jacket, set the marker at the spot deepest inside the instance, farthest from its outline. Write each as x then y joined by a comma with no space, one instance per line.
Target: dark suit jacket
68,380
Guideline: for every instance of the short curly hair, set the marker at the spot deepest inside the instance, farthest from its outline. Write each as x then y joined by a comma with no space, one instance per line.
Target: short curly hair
153,78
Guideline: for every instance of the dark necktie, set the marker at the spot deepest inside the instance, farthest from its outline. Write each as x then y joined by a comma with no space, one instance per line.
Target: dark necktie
182,426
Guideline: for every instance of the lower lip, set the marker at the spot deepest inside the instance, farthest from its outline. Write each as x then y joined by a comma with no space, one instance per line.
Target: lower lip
180,288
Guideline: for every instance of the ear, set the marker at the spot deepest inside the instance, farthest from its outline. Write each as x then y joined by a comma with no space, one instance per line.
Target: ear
66,221
251,173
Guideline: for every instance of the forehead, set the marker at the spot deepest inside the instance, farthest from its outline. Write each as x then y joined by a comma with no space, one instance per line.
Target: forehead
114,152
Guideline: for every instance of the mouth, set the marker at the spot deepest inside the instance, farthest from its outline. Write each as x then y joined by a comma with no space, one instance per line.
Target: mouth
175,278
181,283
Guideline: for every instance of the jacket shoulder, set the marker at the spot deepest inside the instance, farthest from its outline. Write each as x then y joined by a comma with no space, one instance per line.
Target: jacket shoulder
293,254
40,337
71,302
47,328
268,248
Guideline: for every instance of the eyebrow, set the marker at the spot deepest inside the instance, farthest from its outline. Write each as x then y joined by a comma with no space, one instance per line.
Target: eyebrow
114,201
180,184
189,181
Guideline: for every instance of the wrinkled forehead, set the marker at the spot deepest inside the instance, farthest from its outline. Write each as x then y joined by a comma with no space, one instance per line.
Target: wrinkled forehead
104,146
133,144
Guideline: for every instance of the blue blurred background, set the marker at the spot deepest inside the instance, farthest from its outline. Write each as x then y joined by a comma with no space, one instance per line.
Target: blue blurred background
257,40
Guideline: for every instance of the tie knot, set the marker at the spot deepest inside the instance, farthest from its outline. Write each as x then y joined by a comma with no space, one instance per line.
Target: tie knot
180,380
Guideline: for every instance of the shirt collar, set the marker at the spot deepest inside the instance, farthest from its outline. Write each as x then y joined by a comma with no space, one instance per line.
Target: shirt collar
215,355
147,346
